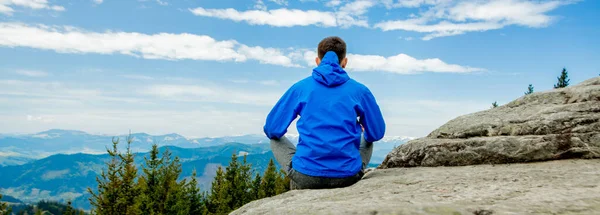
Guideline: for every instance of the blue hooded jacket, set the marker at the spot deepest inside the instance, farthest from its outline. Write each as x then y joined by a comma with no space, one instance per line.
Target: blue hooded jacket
328,104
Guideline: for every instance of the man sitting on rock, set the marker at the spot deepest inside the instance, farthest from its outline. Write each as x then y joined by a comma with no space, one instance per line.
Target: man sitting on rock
334,147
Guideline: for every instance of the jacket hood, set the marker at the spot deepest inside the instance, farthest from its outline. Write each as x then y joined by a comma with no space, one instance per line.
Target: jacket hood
329,72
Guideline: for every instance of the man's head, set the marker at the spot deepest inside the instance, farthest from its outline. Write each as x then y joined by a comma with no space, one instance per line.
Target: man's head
334,44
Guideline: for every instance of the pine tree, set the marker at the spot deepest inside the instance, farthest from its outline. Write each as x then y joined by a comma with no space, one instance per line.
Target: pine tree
129,190
204,203
282,184
231,177
279,187
268,184
529,90
38,211
172,190
216,202
495,105
563,79
194,196
109,183
255,188
244,184
149,183
177,199
4,208
69,210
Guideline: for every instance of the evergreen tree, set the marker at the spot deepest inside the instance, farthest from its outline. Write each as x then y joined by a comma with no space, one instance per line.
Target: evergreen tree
563,79
495,105
177,199
268,184
129,190
194,197
231,177
69,210
529,90
38,211
109,183
282,184
204,203
217,202
4,208
255,188
149,183
244,182
172,190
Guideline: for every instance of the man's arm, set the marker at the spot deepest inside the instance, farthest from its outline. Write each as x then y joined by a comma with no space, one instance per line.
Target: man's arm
282,115
371,119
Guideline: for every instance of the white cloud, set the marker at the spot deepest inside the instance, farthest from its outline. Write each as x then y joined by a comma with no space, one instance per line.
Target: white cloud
32,73
138,77
206,93
267,55
6,6
518,12
150,46
448,18
333,3
357,7
406,38
437,18
188,109
98,1
199,122
197,47
39,94
350,14
45,119
163,3
260,5
160,2
418,117
279,17
263,82
270,83
400,64
280,2
403,64
411,3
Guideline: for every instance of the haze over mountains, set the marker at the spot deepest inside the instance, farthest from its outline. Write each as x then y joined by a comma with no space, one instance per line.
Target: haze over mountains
61,164
16,149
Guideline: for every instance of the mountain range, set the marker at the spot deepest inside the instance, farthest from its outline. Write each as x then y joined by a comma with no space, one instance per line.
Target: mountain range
61,164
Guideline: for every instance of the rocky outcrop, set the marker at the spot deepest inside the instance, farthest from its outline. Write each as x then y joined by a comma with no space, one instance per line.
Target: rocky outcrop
555,187
544,126
556,124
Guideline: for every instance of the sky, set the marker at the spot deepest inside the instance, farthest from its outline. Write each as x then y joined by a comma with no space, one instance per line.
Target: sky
208,68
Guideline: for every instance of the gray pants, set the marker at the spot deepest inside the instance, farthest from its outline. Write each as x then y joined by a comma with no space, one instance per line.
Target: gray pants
284,150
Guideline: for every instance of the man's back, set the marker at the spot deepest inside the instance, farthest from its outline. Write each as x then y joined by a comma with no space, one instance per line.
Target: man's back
328,104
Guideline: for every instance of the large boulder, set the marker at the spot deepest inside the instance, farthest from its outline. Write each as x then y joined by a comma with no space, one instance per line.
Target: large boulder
556,124
555,187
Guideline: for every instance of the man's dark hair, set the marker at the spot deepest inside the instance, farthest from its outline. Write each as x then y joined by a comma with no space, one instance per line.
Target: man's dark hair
334,44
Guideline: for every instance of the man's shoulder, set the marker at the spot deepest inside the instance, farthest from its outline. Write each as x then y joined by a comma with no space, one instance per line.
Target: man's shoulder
357,85
303,83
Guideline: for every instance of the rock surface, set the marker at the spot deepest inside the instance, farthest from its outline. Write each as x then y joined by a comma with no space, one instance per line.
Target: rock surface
556,124
554,187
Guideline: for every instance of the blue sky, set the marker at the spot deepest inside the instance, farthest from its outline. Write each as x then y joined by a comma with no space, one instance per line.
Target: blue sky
215,68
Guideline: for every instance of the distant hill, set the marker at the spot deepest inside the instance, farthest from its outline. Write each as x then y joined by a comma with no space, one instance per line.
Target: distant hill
66,177
72,160
10,199
20,149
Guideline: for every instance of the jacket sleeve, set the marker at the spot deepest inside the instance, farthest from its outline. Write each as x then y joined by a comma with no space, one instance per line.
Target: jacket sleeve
371,119
282,115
